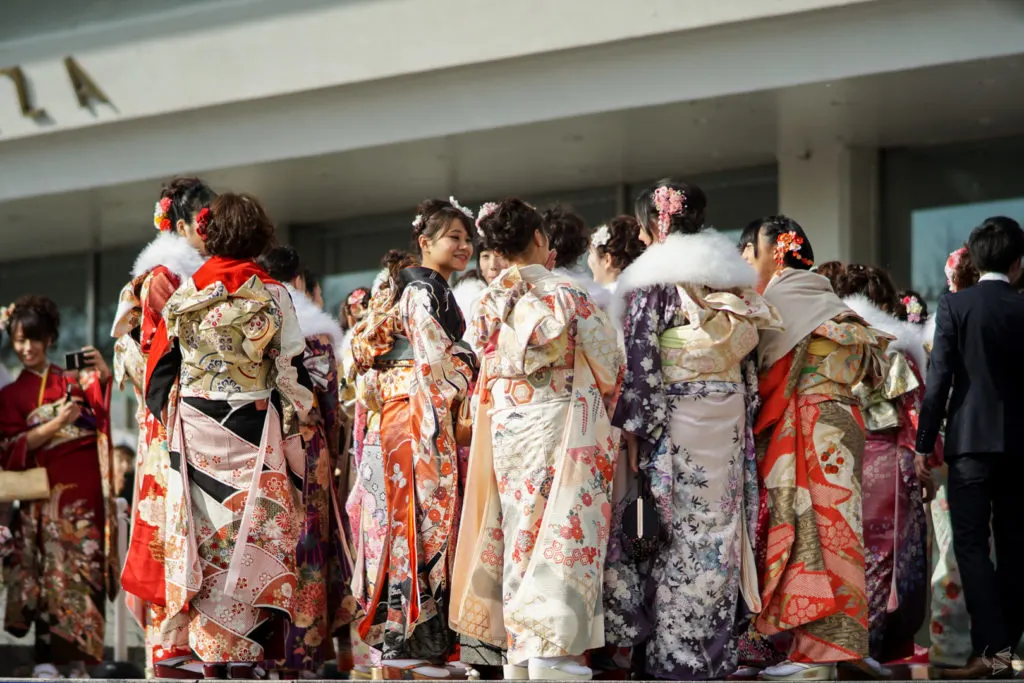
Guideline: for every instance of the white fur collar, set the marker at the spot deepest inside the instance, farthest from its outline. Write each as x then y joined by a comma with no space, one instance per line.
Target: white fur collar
707,258
910,337
313,321
171,251
466,293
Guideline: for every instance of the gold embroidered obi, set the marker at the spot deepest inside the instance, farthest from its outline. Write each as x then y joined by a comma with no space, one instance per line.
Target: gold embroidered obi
717,330
879,408
840,355
225,339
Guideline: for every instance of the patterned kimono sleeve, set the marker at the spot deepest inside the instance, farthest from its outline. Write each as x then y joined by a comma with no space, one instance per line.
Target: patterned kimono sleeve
643,405
290,344
599,342
438,359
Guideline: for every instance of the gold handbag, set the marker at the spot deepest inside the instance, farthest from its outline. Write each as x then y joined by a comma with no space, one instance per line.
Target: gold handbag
30,484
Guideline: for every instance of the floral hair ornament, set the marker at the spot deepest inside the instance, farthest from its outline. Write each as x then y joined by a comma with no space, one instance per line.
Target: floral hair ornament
669,202
5,317
454,202
485,211
952,263
600,237
790,243
203,222
161,215
914,308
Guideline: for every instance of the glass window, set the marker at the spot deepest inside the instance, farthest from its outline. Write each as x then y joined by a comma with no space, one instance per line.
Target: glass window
932,197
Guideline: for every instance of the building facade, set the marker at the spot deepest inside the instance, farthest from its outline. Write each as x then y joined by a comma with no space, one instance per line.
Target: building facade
888,128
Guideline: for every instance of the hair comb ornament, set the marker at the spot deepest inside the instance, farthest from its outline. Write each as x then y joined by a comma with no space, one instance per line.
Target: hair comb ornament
789,243
485,211
203,222
914,308
952,263
600,237
668,202
161,215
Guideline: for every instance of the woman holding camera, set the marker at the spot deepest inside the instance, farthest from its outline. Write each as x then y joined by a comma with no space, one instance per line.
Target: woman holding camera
59,421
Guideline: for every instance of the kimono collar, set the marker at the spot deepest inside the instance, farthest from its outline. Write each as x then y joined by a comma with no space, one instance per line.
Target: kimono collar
443,306
232,272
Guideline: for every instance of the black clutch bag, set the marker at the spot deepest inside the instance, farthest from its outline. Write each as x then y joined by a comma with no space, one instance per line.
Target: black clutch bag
642,529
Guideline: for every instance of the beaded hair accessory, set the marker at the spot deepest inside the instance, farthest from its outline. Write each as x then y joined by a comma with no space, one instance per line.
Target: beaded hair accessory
203,222
952,263
600,237
914,308
161,215
668,202
5,317
789,243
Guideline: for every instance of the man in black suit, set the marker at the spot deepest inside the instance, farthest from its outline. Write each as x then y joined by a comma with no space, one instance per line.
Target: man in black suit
979,333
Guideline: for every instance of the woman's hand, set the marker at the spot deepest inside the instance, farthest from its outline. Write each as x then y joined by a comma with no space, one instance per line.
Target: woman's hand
95,360
68,413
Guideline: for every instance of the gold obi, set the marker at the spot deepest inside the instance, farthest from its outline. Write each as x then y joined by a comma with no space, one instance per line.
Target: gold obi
879,408
710,352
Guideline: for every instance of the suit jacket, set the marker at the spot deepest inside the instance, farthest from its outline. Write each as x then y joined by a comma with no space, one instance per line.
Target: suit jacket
976,352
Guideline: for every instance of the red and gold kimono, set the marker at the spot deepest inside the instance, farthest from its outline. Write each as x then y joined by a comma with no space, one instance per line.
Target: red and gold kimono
159,270
61,569
810,437
412,348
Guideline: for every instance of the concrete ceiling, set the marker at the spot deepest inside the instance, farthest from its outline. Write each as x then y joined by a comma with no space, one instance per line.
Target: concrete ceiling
965,101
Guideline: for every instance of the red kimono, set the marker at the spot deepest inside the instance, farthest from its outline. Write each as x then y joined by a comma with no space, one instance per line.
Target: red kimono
57,576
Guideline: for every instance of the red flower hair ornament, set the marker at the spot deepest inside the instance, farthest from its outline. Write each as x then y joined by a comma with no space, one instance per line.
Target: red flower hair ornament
789,243
161,219
202,222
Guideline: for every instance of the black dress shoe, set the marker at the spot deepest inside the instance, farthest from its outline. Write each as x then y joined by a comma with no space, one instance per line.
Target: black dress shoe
980,668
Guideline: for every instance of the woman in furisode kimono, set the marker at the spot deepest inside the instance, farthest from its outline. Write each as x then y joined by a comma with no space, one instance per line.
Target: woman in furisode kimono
415,372
229,340
536,519
692,320
162,266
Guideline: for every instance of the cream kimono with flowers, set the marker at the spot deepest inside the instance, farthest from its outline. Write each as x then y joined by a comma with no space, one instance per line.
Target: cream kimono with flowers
535,523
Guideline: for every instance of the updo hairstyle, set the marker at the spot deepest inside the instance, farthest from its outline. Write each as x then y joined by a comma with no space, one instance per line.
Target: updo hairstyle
772,227
239,227
567,232
624,243
38,317
832,270
510,227
433,218
875,284
281,263
188,196
688,221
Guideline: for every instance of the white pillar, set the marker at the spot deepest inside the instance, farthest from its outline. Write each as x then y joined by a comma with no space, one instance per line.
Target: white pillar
832,191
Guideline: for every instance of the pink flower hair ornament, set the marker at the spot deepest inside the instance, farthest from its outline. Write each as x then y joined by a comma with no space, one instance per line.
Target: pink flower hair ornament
668,202
914,309
951,265
485,211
